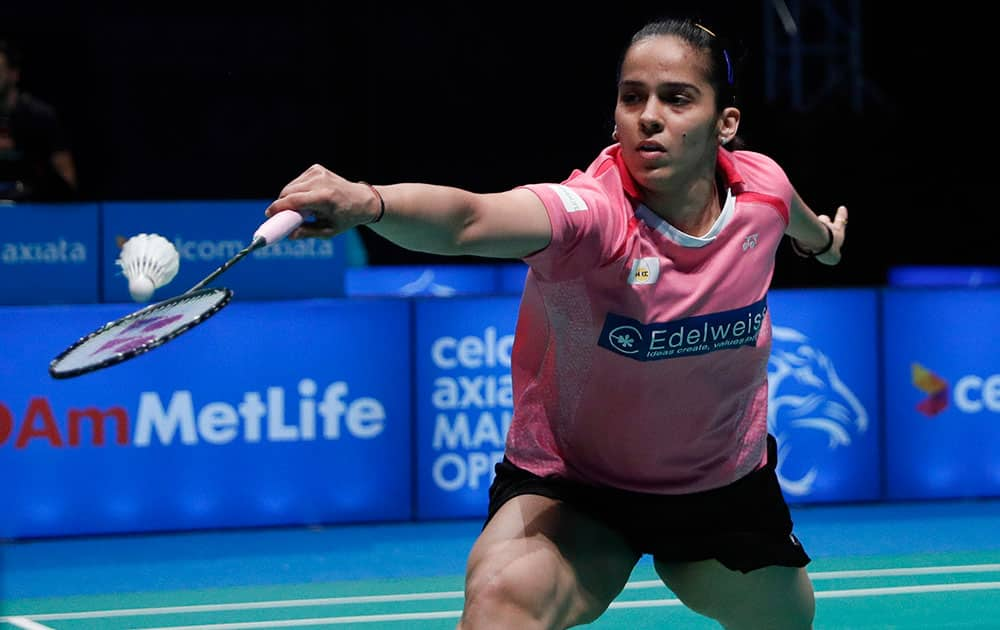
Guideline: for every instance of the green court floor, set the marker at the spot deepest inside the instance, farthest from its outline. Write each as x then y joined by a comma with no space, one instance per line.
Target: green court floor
950,578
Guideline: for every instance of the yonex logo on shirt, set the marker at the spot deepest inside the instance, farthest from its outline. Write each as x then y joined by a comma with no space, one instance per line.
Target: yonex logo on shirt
572,202
683,337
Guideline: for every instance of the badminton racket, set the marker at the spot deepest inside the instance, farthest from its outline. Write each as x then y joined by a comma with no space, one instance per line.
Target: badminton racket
154,325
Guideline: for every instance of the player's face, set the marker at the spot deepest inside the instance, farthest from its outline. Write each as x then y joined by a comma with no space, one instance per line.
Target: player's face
666,115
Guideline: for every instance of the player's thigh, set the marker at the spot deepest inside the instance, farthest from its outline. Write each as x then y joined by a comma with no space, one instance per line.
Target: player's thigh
541,557
772,597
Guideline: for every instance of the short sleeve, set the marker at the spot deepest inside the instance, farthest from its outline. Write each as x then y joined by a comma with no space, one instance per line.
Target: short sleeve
766,179
588,224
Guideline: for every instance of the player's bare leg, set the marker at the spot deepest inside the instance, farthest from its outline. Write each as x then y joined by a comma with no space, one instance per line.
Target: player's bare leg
541,564
775,598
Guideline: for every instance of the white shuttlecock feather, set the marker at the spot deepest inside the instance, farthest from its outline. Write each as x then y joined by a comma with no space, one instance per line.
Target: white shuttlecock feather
148,261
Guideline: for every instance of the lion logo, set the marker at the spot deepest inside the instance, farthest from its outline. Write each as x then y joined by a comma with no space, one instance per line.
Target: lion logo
811,411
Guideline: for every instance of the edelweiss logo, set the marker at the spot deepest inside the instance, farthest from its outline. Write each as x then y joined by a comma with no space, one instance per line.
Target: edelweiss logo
807,403
690,336
625,339
934,386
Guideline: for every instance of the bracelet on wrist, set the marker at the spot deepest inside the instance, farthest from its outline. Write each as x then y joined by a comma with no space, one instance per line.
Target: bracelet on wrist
381,203
807,254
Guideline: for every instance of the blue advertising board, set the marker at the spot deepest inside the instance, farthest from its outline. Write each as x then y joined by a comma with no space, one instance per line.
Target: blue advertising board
511,278
823,399
943,276
208,233
49,254
269,413
942,392
464,400
421,280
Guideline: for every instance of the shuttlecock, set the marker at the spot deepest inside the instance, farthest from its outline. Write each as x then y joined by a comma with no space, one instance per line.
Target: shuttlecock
148,261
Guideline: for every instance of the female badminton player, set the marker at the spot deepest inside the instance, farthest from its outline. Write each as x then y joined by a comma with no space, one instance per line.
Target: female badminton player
640,357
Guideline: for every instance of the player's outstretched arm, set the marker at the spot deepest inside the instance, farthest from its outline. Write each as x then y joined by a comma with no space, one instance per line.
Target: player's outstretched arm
421,217
815,235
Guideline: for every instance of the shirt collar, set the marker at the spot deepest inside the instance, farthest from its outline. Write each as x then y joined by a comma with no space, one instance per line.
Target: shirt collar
724,164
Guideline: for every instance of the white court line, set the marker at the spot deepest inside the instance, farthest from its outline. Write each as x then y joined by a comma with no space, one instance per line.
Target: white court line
279,603
905,590
323,621
656,603
862,573
403,597
865,573
24,622
646,603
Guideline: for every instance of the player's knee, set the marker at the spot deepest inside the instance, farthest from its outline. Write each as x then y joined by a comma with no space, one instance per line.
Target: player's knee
526,598
504,601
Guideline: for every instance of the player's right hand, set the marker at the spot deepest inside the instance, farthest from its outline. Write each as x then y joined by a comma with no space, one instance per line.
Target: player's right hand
330,203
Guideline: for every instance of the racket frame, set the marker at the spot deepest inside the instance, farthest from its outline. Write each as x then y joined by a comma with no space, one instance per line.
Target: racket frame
149,345
277,227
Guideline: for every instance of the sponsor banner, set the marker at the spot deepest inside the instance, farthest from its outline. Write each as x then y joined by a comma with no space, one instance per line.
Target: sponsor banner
683,337
464,401
418,281
823,399
512,276
270,413
49,254
942,392
206,235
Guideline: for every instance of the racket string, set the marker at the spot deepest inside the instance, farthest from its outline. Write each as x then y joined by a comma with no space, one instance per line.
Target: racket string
139,332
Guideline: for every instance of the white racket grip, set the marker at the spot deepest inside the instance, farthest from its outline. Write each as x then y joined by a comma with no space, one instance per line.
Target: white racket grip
279,226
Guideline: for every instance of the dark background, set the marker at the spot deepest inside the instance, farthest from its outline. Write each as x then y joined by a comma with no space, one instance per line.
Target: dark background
231,101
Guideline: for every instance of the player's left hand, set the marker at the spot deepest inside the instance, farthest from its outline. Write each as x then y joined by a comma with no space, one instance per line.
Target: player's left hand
838,226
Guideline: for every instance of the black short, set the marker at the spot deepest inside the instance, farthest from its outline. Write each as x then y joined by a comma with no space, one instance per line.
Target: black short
745,525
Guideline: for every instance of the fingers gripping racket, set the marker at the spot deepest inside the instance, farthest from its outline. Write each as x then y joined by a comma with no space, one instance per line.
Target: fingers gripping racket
156,324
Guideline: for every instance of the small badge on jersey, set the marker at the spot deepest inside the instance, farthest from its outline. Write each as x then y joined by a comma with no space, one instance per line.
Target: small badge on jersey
644,271
572,202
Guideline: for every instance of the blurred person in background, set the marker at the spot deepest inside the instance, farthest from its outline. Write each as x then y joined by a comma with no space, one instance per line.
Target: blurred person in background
35,159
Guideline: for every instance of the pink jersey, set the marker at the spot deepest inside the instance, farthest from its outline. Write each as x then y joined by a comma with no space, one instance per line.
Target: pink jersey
640,355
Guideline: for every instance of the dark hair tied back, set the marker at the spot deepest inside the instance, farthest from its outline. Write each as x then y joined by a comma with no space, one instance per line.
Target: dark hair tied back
722,71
